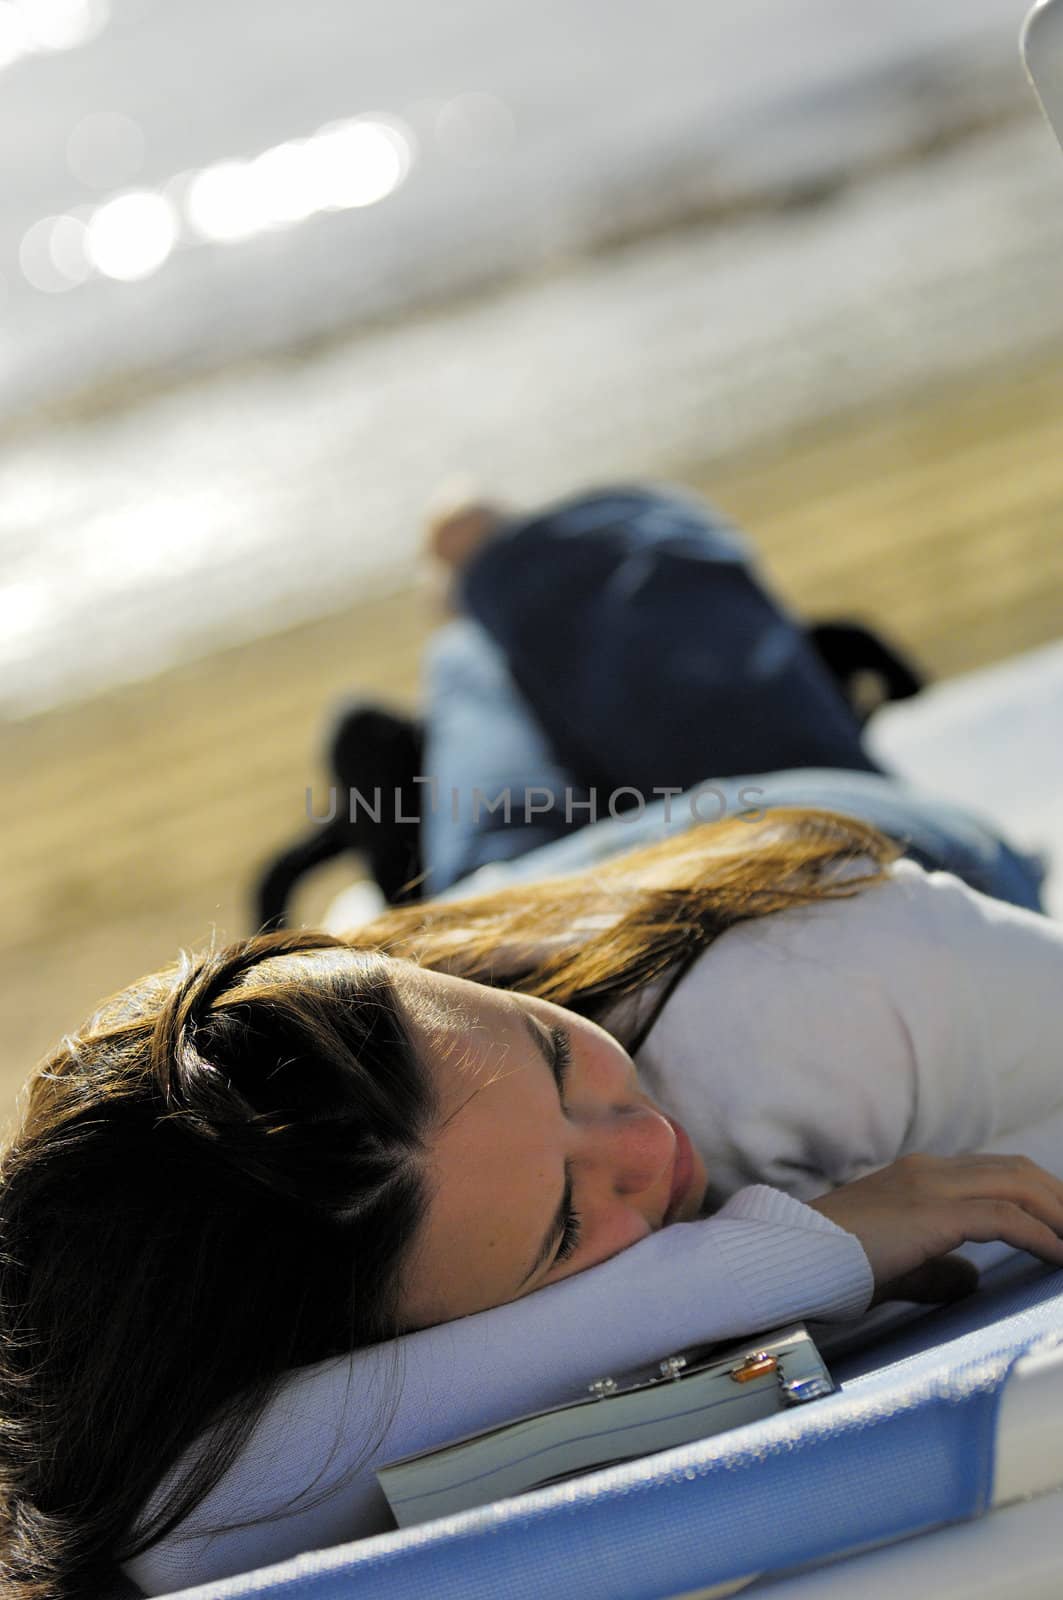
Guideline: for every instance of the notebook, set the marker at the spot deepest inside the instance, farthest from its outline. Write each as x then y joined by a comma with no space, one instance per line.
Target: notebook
688,1396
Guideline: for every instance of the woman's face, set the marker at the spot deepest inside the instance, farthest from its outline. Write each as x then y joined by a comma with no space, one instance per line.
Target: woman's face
537,1167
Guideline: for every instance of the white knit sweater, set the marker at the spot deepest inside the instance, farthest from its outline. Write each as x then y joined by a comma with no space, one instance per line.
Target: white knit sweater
800,1051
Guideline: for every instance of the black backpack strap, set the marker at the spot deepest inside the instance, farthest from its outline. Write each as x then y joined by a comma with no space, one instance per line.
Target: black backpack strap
848,648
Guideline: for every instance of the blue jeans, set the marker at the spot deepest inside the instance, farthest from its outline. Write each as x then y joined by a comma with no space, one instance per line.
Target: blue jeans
621,672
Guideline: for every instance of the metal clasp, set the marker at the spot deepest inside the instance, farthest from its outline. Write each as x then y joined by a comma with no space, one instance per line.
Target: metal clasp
758,1365
798,1391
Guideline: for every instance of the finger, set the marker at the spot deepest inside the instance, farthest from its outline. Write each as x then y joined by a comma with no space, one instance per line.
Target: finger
1029,1191
985,1220
1011,1178
1020,1168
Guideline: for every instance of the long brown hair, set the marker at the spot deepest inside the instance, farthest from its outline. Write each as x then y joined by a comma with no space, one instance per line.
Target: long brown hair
218,1178
587,939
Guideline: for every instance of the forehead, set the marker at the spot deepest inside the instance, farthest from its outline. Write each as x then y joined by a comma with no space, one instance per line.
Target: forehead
466,1031
494,1162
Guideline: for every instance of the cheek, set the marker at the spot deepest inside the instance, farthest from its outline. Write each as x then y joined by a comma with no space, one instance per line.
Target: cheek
607,1232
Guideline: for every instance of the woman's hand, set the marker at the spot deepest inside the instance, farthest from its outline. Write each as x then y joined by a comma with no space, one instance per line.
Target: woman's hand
909,1215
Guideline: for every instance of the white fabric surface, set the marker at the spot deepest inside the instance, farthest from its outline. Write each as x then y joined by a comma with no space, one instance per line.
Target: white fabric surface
989,741
800,1050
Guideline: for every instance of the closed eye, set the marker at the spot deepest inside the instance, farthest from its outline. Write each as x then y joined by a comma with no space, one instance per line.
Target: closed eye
553,1044
555,1047
562,1057
562,1061
570,1238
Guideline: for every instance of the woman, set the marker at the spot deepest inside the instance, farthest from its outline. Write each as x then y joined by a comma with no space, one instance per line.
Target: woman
413,1144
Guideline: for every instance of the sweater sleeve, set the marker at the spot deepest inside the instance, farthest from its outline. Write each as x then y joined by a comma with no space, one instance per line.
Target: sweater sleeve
999,969
810,1047
308,1469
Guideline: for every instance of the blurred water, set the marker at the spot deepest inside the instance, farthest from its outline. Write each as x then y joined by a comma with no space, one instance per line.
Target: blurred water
576,162
612,109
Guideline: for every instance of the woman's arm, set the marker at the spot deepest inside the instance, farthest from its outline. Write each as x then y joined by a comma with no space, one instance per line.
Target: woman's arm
764,1259
812,1046
976,985
1003,968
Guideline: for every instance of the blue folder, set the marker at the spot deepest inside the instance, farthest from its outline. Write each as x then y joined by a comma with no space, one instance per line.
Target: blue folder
908,1445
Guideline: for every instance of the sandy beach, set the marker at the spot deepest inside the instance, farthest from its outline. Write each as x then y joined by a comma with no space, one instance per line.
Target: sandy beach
136,819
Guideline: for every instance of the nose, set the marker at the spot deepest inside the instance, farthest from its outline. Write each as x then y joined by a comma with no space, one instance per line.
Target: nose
632,1147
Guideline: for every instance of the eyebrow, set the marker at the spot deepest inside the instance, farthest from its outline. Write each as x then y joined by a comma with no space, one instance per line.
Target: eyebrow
557,1222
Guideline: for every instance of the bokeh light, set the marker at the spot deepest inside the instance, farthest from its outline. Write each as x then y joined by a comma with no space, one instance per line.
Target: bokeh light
130,237
344,165
219,202
29,26
359,162
69,249
14,40
37,261
64,24
279,188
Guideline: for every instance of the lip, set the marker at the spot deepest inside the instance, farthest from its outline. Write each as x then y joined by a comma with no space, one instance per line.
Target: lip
682,1173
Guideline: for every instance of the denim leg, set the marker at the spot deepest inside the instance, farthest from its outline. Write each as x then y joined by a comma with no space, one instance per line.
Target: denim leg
496,787
938,835
640,650
634,625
